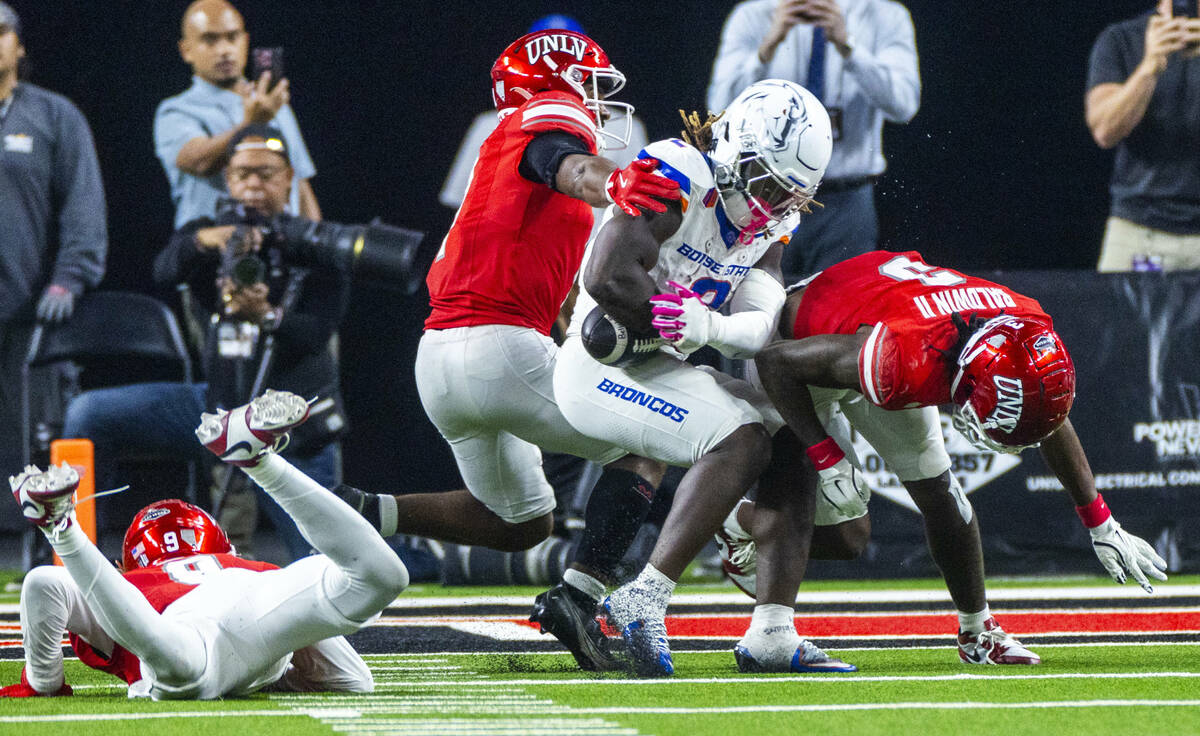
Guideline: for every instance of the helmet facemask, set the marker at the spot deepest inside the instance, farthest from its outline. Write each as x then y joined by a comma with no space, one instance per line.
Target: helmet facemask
564,61
967,422
595,85
756,198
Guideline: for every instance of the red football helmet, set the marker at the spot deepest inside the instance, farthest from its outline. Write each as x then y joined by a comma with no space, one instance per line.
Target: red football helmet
168,529
1014,385
566,61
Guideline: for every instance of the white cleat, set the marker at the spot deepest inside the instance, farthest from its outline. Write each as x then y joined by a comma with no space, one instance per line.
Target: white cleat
993,645
245,435
46,498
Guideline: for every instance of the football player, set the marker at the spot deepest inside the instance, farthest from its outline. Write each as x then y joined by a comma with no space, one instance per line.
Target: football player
882,339
745,179
188,619
485,363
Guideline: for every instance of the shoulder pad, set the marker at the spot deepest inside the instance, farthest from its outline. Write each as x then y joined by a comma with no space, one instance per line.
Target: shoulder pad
547,111
681,162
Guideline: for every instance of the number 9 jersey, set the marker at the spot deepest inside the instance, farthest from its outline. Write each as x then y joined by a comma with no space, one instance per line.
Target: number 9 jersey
908,303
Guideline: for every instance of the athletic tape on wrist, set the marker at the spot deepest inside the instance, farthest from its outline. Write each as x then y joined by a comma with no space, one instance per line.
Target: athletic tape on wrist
1095,513
825,454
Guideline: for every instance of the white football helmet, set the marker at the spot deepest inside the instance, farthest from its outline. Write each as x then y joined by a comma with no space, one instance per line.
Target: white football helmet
770,150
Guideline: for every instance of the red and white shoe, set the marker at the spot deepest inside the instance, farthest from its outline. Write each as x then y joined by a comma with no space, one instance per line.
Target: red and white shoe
739,556
993,646
245,435
46,497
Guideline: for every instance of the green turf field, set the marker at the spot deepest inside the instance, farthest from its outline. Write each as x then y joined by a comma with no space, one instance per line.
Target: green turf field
1129,689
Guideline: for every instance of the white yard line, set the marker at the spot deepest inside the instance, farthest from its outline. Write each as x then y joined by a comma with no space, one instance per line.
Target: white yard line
817,679
350,715
830,597
142,715
896,706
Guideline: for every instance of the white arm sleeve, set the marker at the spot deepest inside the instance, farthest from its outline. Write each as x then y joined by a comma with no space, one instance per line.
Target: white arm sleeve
754,314
329,665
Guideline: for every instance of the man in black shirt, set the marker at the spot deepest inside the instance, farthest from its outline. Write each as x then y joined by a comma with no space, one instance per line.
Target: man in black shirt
259,306
1144,99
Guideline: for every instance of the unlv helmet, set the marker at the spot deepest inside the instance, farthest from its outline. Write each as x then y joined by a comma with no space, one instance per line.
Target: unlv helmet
770,149
168,529
1014,385
565,61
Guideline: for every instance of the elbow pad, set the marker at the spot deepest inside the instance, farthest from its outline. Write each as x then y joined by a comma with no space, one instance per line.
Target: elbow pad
754,316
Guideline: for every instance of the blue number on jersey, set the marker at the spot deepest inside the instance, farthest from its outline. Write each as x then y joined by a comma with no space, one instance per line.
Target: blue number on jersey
719,290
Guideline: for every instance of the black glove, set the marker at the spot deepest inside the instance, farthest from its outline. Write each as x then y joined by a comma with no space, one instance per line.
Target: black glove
56,305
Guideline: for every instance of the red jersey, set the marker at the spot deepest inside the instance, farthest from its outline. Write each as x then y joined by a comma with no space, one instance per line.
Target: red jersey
908,303
162,585
515,246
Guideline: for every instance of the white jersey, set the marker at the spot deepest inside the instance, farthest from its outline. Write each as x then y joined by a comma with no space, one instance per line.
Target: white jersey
704,254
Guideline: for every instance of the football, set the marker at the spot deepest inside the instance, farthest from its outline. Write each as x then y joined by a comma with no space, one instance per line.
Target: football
611,343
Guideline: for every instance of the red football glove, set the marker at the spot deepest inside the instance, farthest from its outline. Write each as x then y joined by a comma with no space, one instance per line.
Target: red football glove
24,690
638,185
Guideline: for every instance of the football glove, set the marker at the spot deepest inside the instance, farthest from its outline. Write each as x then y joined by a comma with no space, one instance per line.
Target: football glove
844,487
682,319
638,185
1124,554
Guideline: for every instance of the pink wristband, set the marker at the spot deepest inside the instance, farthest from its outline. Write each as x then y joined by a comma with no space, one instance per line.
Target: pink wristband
1095,513
825,453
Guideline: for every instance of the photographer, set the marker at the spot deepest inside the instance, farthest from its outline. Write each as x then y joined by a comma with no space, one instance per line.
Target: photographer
268,319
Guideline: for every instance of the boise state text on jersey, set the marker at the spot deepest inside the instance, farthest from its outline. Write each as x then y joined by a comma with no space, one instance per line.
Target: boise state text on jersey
703,254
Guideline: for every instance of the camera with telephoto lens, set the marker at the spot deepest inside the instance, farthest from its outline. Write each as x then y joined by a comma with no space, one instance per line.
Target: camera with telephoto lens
375,250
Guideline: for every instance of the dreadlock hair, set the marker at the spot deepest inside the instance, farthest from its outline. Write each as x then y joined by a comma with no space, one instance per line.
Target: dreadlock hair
966,327
699,134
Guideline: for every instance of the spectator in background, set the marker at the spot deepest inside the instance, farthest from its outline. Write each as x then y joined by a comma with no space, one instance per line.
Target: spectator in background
53,236
859,58
298,309
192,130
1143,98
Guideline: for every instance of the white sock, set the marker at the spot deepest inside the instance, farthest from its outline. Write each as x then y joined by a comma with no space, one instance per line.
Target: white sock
772,638
651,579
772,618
656,587
389,515
973,622
69,540
588,585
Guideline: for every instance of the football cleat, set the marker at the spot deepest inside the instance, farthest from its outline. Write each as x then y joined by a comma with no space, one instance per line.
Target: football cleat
562,614
808,657
243,436
46,498
993,645
645,637
739,556
23,689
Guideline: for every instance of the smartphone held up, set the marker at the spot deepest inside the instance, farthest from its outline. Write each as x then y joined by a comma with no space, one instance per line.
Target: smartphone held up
267,59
